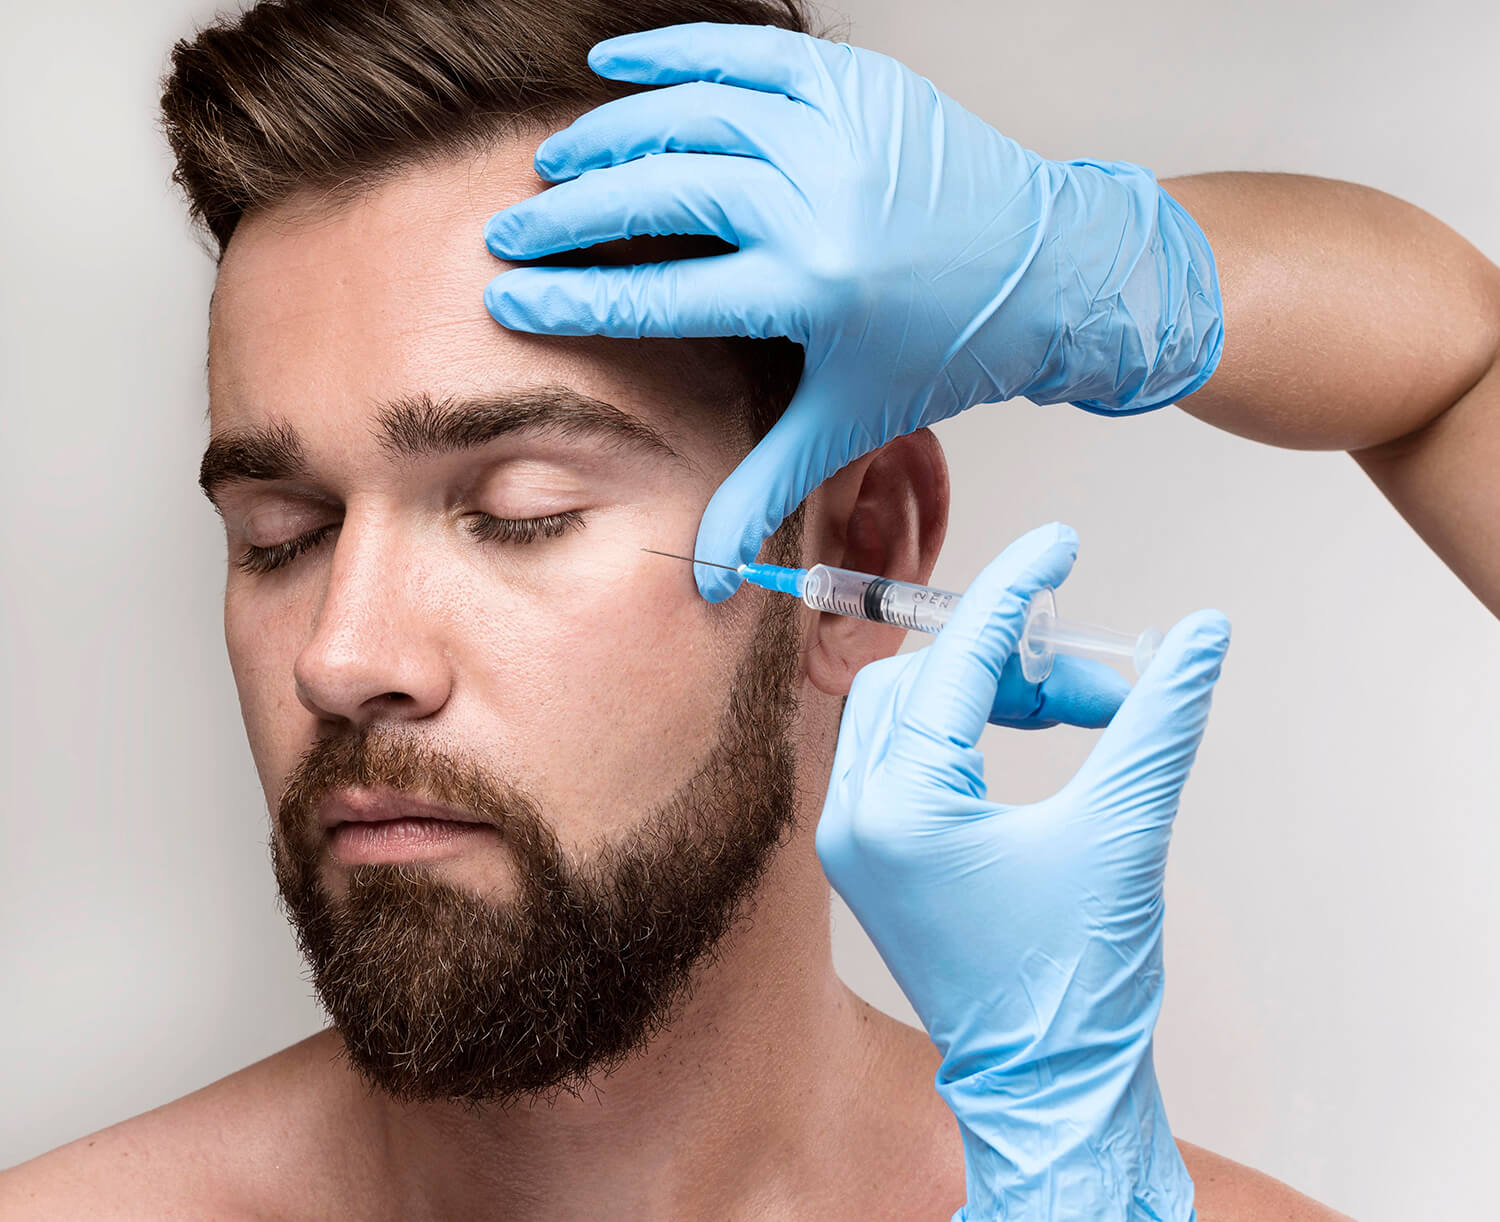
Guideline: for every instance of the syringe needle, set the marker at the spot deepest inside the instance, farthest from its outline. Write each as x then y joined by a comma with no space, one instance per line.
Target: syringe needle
690,559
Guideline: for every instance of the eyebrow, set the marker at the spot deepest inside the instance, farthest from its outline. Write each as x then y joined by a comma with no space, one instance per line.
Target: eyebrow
420,426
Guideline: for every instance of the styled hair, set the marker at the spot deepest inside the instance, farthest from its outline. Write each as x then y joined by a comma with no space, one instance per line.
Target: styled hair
338,95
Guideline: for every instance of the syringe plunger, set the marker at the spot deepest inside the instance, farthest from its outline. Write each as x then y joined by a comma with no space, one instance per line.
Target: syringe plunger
1045,636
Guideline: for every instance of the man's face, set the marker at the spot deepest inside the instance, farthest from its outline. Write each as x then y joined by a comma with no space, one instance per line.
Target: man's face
437,590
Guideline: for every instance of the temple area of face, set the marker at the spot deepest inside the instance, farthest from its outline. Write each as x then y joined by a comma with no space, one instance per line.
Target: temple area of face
421,426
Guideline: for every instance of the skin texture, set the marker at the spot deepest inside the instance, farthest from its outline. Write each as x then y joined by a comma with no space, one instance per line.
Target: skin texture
776,1093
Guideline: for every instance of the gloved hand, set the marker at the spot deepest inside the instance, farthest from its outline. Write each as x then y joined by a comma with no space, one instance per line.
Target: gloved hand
1027,938
925,262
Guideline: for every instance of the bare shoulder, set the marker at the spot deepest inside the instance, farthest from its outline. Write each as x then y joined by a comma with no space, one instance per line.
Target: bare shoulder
1227,1191
227,1151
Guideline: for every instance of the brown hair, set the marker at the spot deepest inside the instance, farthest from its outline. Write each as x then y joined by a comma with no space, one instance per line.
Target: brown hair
336,95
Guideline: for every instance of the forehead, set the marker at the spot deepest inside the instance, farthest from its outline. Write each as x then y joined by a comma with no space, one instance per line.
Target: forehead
333,309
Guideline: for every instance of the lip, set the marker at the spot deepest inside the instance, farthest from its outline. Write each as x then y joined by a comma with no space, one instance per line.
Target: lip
382,806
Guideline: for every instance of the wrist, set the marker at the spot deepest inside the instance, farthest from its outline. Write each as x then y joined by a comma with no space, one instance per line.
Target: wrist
1147,329
1050,1144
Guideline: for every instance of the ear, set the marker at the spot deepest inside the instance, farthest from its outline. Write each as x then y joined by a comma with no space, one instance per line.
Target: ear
885,513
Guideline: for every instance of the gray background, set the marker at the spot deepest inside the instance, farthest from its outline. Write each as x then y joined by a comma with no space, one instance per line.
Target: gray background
1333,983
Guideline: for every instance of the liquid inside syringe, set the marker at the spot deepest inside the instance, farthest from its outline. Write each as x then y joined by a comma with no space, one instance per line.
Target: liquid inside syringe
920,608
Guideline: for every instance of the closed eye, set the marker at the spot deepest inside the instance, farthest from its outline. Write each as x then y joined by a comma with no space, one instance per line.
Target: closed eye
482,526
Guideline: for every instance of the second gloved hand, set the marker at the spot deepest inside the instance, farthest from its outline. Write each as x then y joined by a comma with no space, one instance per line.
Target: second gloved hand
1028,938
926,262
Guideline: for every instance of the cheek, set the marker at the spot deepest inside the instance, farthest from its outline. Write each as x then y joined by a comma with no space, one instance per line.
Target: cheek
262,648
617,687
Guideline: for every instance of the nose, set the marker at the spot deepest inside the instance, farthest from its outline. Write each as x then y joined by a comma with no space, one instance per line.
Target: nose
376,649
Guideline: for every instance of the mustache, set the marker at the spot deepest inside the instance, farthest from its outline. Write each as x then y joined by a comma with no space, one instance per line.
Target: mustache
372,757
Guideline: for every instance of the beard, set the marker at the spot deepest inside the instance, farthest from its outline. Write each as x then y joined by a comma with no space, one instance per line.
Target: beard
440,994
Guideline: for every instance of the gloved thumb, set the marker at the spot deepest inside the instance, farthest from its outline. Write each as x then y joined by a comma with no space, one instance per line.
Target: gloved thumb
1143,758
797,455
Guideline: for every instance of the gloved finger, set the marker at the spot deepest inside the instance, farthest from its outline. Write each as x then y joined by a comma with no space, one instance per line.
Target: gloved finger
673,193
753,56
863,731
807,445
675,299
952,698
869,712
1078,692
1143,758
696,117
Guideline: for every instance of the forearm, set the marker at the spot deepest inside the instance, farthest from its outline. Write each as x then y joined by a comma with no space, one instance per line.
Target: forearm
1356,321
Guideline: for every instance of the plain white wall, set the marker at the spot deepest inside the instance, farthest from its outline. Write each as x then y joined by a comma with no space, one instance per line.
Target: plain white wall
1333,987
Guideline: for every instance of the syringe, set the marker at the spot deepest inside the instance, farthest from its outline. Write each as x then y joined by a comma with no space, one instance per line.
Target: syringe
926,609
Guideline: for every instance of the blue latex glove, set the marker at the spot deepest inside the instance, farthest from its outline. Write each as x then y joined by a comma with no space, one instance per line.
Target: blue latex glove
1028,938
924,261
1077,692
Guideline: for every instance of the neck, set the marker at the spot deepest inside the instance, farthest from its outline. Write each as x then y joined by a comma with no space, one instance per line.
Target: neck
749,1095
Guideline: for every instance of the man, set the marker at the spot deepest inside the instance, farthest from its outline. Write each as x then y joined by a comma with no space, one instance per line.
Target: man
437,588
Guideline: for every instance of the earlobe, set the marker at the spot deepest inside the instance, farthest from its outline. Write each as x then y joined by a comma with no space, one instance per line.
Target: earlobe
886,513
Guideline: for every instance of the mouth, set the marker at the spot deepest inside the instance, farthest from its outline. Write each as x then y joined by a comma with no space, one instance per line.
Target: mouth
366,826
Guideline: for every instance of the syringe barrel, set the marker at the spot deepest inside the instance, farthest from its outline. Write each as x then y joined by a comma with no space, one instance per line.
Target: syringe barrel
914,607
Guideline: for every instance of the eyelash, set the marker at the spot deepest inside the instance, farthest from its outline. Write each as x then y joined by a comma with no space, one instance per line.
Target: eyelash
487,529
